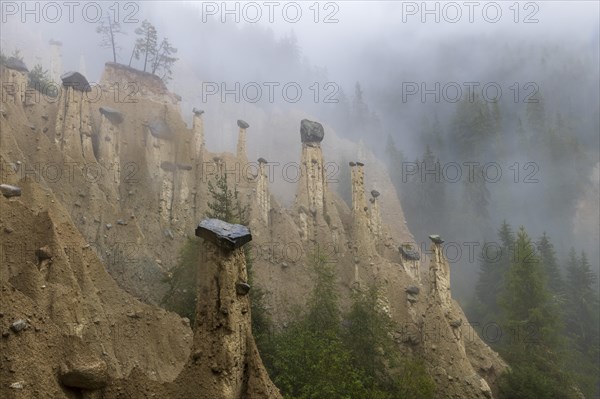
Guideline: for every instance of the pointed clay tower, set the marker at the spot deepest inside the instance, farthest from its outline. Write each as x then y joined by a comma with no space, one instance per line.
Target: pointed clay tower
225,360
56,68
263,197
73,120
241,145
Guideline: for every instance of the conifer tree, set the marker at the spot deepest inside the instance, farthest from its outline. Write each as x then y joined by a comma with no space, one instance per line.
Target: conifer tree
534,347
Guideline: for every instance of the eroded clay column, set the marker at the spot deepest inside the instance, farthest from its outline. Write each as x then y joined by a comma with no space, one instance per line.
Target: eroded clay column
224,356
108,143
241,145
263,197
73,121
439,273
198,129
375,215
312,182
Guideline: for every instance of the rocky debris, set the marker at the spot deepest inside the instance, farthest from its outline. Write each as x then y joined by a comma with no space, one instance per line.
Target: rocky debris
242,124
75,80
90,376
413,290
375,193
223,234
16,64
197,111
18,325
18,385
242,288
261,160
311,132
160,129
409,253
168,166
2,111
134,315
10,191
436,239
169,234
121,222
108,226
456,323
112,115
43,253
184,166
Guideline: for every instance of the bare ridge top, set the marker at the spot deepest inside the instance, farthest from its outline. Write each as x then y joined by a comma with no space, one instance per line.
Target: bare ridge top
311,132
223,234
75,80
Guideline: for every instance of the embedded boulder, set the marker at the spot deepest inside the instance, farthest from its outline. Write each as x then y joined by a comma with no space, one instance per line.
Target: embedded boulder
409,253
90,376
10,191
160,129
112,115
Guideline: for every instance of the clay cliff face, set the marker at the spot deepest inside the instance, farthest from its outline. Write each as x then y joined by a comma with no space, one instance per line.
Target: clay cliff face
141,188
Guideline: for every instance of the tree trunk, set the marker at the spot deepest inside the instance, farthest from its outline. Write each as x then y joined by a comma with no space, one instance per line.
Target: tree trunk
112,40
147,50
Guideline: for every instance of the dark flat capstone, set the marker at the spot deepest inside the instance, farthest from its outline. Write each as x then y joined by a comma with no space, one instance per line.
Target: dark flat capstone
223,234
197,111
10,191
242,124
375,193
160,129
16,64
409,253
436,239
311,132
262,160
352,163
360,163
75,80
112,115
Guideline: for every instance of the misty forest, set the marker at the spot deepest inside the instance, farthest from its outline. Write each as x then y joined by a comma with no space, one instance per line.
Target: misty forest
300,200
